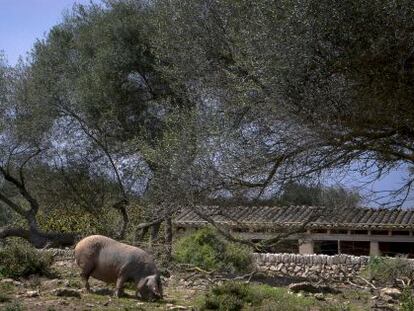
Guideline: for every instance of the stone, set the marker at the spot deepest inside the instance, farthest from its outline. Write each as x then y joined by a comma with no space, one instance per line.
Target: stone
394,293
176,307
319,296
11,281
66,292
387,298
32,294
7,281
52,284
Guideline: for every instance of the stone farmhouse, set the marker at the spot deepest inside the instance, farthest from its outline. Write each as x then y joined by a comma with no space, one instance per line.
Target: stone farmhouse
313,230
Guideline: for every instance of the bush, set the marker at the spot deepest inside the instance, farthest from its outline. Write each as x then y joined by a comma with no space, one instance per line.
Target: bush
21,260
234,296
407,300
78,220
13,306
386,270
4,297
207,250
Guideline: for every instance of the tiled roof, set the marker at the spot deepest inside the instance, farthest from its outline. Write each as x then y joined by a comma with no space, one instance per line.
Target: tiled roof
294,216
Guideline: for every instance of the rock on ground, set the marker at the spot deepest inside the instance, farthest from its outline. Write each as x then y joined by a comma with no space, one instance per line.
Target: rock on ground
66,292
394,293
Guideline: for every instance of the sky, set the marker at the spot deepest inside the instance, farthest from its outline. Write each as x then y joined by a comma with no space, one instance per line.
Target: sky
24,21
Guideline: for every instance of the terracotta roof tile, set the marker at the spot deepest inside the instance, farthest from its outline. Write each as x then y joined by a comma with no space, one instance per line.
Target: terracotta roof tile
274,216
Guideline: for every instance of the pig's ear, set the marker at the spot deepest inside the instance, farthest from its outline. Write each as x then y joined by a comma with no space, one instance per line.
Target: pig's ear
142,283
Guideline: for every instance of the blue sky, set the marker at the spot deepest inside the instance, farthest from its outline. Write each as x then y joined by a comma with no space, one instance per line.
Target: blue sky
23,21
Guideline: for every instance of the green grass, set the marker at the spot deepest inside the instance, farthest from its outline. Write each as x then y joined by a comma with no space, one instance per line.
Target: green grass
407,300
13,306
4,297
6,292
233,296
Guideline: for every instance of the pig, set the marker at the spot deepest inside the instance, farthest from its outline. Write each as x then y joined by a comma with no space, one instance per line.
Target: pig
113,262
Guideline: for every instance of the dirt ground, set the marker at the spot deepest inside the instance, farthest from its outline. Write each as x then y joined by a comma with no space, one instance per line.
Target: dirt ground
181,292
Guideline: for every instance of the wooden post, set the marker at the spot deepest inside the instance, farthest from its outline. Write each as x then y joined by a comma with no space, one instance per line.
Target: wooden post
374,249
306,247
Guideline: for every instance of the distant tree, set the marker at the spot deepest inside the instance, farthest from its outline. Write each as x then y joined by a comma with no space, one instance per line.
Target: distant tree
333,198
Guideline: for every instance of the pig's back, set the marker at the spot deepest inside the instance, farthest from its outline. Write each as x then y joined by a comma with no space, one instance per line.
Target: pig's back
112,261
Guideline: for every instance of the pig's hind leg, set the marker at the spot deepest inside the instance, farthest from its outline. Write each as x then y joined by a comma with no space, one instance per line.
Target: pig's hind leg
85,274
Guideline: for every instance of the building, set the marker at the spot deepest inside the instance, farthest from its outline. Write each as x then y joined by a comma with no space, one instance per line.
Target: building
309,230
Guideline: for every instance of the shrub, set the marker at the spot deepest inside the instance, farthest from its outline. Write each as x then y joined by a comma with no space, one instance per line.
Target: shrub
13,306
4,297
78,220
407,300
207,250
386,270
21,260
232,296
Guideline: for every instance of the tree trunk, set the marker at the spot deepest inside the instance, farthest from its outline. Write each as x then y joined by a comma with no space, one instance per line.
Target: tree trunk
121,206
168,237
155,229
40,239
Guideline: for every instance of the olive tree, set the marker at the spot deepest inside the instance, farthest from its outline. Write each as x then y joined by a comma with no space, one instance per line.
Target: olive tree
339,72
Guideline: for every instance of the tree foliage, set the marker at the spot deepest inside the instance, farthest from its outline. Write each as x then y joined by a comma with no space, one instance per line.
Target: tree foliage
168,103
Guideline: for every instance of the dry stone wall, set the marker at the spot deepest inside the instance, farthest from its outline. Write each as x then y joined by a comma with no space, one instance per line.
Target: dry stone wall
312,267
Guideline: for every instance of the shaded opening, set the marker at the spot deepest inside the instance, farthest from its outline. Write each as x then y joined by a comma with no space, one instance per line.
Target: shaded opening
379,232
285,246
400,232
393,249
359,231
357,248
326,247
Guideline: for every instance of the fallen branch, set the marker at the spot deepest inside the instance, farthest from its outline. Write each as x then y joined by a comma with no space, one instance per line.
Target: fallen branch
406,282
201,270
356,285
248,275
367,282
